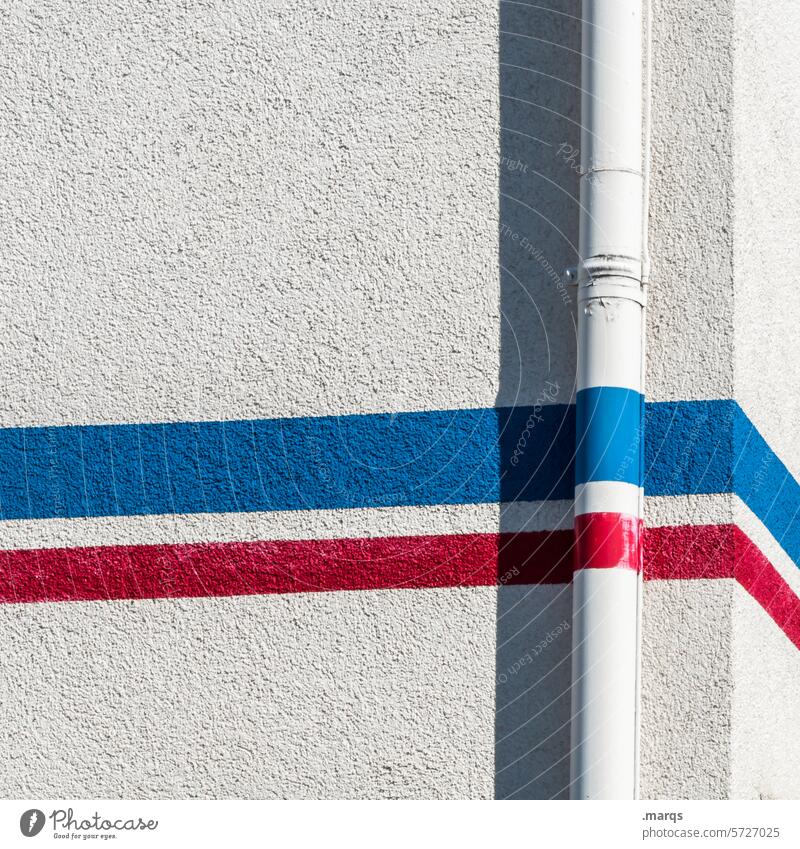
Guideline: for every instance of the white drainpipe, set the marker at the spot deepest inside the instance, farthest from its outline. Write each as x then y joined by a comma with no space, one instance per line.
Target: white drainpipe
608,493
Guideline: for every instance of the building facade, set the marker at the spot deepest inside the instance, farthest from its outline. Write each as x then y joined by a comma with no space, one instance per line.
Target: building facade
286,458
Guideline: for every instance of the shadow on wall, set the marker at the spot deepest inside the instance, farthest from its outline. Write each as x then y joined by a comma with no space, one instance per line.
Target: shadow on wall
539,93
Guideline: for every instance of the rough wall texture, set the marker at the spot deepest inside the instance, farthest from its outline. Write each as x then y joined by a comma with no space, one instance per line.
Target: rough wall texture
765,750
722,315
246,210
384,694
687,686
767,122
690,309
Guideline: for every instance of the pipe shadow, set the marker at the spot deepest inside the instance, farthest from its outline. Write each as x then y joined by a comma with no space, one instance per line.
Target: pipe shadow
539,92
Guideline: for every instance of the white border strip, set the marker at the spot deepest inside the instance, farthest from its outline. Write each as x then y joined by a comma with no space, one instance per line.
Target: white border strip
767,544
671,510
380,522
289,525
607,497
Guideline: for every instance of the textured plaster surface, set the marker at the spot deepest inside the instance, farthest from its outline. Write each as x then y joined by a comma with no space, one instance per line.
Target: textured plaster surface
367,522
234,226
687,688
722,317
767,544
766,705
688,510
767,124
376,694
405,693
294,209
295,524
766,709
690,308
533,673
538,211
261,209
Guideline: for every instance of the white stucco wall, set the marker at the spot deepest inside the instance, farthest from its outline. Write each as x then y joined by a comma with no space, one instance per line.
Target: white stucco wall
206,233
687,686
765,750
690,309
722,315
765,757
248,209
253,211
328,694
404,693
766,127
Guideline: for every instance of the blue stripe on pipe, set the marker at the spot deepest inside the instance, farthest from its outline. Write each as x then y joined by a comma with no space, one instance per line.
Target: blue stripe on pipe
608,427
440,457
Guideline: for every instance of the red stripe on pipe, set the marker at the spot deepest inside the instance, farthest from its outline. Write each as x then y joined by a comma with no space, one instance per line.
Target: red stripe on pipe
608,541
247,568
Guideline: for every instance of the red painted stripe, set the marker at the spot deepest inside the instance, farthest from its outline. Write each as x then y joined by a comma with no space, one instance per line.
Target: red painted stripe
759,577
722,551
689,551
608,541
247,568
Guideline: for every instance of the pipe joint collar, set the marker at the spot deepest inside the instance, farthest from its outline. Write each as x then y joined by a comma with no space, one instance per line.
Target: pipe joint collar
609,265
609,289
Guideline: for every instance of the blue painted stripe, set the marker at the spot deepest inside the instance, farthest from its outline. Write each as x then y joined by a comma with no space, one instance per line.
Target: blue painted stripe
764,483
689,447
713,447
443,457
440,457
608,427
